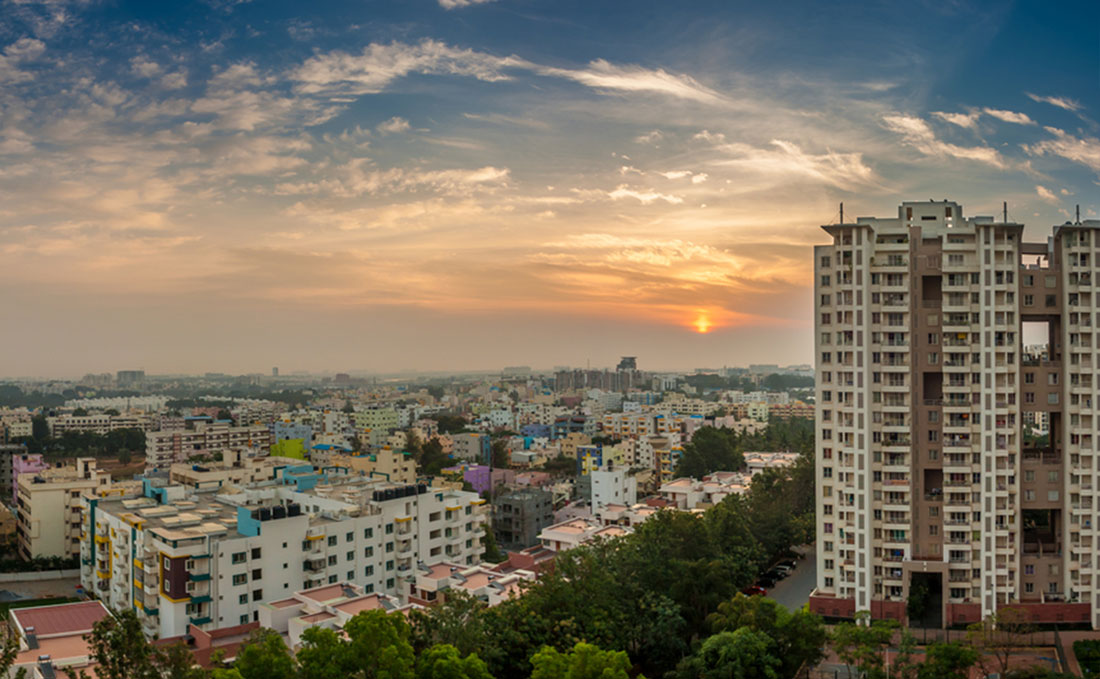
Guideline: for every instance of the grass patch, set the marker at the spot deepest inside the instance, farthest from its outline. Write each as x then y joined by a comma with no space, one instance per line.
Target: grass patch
1088,655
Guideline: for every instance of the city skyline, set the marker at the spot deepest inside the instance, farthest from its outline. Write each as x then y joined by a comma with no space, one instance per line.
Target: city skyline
457,185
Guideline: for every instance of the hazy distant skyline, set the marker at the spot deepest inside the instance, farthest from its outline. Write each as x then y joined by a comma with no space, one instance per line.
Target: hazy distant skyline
465,184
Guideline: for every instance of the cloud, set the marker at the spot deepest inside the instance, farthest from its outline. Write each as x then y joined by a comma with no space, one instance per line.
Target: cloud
358,178
454,4
144,67
370,72
607,77
967,120
394,125
917,133
1009,116
651,137
1061,102
786,159
15,55
1046,194
644,197
378,65
1082,150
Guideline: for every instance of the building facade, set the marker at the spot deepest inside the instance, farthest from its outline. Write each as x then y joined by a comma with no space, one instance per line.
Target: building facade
208,558
922,389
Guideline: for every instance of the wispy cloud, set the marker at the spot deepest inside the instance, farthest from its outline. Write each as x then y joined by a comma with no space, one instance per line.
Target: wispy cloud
918,134
454,4
1083,150
644,196
394,125
1009,116
967,120
1061,102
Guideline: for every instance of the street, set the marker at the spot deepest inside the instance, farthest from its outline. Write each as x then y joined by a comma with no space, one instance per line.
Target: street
794,590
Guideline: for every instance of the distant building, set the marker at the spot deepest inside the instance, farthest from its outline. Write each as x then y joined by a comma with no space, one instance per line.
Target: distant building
130,378
520,515
472,447
627,363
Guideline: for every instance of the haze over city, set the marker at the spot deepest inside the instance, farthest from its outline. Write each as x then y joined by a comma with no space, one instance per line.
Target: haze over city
227,186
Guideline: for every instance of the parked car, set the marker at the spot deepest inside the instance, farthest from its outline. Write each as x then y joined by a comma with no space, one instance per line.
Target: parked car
754,590
785,570
776,574
765,582
789,563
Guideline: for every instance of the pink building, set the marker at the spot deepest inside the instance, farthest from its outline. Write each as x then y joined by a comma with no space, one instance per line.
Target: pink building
22,464
536,479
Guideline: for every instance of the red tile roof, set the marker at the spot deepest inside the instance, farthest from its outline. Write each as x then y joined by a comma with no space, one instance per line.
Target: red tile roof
61,618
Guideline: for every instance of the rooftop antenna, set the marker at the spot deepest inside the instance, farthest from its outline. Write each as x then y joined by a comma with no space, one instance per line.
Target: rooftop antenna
1006,212
842,213
1078,213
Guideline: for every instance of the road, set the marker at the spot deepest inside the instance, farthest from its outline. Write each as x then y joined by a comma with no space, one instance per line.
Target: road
794,590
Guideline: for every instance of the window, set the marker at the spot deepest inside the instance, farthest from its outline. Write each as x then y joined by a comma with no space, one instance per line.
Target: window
389,547
368,571
349,537
332,541
933,530
368,533
242,599
332,560
389,583
351,575
389,565
257,573
240,579
239,557
368,552
389,529
244,619
255,552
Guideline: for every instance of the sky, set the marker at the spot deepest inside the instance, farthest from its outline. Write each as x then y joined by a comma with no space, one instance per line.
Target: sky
353,185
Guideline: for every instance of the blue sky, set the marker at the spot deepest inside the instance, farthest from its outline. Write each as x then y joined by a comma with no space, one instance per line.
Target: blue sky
455,184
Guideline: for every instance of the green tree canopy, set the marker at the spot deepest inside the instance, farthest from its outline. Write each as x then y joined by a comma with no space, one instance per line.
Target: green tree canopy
741,654
583,661
265,656
444,662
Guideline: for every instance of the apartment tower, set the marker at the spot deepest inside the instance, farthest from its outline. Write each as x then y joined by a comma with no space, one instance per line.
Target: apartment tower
937,338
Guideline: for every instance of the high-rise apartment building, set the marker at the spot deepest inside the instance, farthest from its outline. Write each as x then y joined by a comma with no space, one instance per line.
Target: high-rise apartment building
925,471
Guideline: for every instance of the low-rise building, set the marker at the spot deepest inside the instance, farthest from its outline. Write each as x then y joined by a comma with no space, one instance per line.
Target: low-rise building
327,606
431,584
472,447
209,558
203,437
576,532
48,507
613,485
520,515
53,638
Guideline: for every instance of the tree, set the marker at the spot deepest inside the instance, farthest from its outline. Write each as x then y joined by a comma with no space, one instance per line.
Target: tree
322,655
348,407
501,455
444,662
265,656
378,645
710,450
113,412
948,661
492,552
457,621
997,637
224,414
40,428
795,638
80,412
124,457
9,650
120,650
861,644
177,662
584,661
432,459
741,654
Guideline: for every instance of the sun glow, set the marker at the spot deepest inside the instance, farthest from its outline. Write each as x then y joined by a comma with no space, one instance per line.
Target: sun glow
702,323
